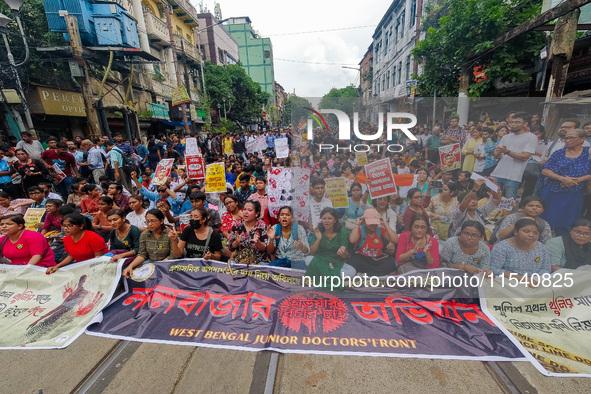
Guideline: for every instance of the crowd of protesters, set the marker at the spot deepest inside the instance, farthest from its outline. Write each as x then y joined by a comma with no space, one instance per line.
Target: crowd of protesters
95,205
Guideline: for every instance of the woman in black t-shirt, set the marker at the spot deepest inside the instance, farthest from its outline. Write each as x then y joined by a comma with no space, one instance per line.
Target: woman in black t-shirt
199,240
125,238
32,171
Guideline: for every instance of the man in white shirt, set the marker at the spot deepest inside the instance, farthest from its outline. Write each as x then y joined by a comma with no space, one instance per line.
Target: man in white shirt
513,152
31,146
317,203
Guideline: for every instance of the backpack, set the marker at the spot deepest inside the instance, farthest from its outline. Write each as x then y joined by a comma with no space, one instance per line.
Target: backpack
129,164
278,235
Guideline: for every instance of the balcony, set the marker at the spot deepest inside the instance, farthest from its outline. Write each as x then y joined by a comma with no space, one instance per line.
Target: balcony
189,49
156,28
185,10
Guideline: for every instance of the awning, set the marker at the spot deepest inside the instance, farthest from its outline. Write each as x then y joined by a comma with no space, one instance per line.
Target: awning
173,124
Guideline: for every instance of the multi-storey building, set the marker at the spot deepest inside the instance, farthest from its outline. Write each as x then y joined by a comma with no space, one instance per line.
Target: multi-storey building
216,44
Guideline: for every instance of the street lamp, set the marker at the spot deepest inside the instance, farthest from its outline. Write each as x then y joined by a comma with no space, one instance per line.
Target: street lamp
15,6
224,100
219,112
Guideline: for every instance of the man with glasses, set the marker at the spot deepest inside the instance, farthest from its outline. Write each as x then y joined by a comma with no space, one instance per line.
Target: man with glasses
38,196
513,152
162,192
198,201
565,127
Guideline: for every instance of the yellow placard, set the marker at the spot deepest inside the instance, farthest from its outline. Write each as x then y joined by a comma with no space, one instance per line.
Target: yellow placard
32,217
215,178
336,191
361,158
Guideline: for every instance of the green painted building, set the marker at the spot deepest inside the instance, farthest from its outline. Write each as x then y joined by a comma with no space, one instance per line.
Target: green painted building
256,53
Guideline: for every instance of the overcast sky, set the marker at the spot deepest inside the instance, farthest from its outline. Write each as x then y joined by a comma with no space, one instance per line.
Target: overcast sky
342,47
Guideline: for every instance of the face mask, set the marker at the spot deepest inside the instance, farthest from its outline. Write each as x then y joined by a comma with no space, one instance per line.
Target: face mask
196,224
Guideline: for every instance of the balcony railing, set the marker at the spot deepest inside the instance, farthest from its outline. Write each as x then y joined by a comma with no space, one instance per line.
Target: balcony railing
190,50
156,27
187,7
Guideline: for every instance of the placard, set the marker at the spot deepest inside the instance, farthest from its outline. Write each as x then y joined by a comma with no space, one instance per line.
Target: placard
282,148
215,178
336,191
195,167
361,158
32,217
162,171
279,189
191,147
450,157
380,180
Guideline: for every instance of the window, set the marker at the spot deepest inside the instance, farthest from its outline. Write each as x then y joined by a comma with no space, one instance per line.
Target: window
383,82
397,29
399,72
413,13
388,79
394,76
408,68
221,57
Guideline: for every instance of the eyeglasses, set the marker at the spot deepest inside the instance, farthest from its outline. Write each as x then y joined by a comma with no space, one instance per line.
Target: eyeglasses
571,138
162,191
581,234
152,221
68,225
471,235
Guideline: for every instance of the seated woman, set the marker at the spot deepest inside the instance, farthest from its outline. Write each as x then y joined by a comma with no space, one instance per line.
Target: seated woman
53,220
198,239
417,249
441,209
357,204
89,204
137,216
369,240
328,245
76,195
417,203
9,206
232,215
80,243
468,251
521,254
469,210
124,238
22,246
155,242
289,241
251,233
100,223
573,249
531,207
382,205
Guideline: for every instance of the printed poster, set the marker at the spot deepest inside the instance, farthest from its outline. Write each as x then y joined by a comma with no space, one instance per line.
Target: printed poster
282,148
32,217
39,311
300,183
336,191
180,96
380,180
195,302
191,147
162,171
195,167
551,323
58,175
361,158
279,189
215,178
450,157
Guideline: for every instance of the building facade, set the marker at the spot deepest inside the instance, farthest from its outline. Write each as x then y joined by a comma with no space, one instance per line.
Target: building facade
215,43
256,53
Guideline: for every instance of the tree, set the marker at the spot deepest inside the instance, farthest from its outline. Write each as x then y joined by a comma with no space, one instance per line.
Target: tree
244,98
458,29
294,111
345,99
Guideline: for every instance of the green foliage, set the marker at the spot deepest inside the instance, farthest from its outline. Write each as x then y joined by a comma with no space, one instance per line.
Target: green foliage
294,111
457,29
345,99
244,97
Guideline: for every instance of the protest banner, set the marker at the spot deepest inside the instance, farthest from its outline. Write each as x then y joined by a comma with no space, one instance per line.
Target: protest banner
40,311
195,167
261,144
180,96
251,145
281,148
380,180
450,157
33,217
191,147
279,189
550,323
198,303
300,183
361,158
336,191
162,171
215,178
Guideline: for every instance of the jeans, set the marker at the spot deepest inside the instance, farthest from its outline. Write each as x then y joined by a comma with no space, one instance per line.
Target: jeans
510,187
63,188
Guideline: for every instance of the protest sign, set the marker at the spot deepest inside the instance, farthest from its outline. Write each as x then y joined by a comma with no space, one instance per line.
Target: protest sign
58,175
506,204
195,167
490,184
336,191
279,189
281,148
215,179
361,158
191,147
197,303
261,143
42,311
33,217
162,171
180,96
450,157
300,183
550,323
380,180
251,145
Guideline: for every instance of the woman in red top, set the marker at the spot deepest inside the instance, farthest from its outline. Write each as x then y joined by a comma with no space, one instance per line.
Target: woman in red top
417,249
100,223
80,243
232,215
89,205
22,246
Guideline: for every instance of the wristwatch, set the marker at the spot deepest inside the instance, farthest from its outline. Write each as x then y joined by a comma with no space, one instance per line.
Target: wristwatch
508,152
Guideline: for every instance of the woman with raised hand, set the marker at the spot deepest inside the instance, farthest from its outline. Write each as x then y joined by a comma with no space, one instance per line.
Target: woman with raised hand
124,238
250,232
21,246
155,242
80,243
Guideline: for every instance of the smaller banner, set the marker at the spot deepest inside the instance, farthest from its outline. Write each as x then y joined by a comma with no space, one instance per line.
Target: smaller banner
33,217
336,191
450,157
282,148
550,323
261,144
180,96
162,171
215,178
59,175
40,311
361,158
251,145
191,147
195,167
300,183
380,180
279,189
